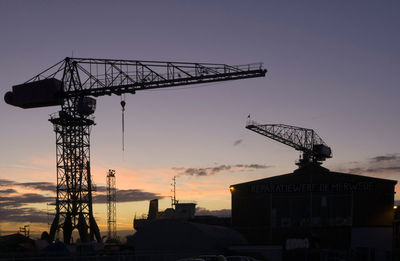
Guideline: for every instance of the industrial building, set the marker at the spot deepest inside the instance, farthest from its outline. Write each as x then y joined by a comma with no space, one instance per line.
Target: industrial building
314,209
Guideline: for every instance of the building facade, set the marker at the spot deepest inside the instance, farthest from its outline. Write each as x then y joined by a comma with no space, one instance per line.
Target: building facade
314,208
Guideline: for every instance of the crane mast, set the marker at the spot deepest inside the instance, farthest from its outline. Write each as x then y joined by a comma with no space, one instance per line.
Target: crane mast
72,84
313,148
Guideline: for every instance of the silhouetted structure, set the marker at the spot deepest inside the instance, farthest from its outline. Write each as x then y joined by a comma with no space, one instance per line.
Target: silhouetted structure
314,209
153,209
171,239
25,230
181,211
111,205
16,243
313,148
72,83
396,233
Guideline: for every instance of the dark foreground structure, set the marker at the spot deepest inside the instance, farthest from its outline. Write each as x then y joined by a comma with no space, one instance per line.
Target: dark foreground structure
316,214
170,239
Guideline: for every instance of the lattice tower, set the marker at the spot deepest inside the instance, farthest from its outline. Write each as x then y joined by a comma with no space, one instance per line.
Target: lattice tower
111,205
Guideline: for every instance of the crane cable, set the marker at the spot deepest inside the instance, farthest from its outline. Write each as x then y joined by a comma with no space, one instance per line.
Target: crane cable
123,103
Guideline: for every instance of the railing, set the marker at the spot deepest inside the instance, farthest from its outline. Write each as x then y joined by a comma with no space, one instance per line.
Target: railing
251,122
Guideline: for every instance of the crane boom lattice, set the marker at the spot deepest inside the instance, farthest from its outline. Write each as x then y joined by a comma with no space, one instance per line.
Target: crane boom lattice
98,77
313,148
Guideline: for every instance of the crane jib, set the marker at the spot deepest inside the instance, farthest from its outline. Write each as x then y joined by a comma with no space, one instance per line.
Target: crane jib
313,148
138,86
50,92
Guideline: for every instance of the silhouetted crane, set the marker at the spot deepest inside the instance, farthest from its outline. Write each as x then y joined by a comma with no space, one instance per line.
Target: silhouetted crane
313,148
72,83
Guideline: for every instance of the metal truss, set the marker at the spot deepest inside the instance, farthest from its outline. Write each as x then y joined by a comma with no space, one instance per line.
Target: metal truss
301,139
111,205
74,193
74,188
97,77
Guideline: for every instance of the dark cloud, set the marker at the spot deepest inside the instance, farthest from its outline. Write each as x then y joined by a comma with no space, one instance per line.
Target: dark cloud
371,169
135,195
25,199
388,157
253,166
43,186
122,196
15,208
356,170
215,170
383,169
195,172
100,188
354,162
33,198
218,213
128,195
220,168
6,182
376,166
7,191
237,142
9,204
23,215
206,171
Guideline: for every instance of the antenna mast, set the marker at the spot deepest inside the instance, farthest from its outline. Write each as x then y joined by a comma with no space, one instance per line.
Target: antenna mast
25,230
111,205
174,201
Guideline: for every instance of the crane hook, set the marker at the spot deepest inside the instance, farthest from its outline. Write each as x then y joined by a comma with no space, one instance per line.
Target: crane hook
123,103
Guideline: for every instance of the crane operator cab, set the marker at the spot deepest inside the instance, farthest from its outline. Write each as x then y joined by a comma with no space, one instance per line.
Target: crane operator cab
86,105
322,151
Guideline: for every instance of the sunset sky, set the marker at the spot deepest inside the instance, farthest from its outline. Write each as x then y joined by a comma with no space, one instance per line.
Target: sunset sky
333,66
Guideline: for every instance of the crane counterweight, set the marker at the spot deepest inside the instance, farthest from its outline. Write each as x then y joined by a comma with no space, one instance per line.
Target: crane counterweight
42,93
